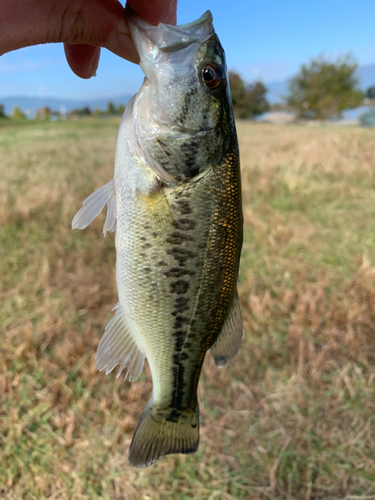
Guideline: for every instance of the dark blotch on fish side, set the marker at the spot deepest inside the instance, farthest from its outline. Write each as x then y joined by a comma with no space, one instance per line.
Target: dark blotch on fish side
179,337
185,224
178,372
182,301
181,254
178,272
146,245
180,321
180,305
178,238
184,207
180,287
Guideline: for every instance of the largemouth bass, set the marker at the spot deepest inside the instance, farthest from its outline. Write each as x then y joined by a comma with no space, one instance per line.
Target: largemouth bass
175,202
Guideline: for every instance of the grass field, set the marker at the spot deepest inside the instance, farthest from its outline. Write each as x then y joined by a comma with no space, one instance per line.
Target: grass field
291,417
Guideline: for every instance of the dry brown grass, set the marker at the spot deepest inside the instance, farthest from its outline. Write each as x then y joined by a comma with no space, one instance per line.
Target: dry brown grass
292,417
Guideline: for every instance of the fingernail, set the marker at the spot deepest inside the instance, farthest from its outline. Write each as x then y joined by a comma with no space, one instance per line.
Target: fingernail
95,62
122,45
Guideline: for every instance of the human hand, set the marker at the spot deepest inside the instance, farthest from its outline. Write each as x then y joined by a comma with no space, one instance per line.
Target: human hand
84,26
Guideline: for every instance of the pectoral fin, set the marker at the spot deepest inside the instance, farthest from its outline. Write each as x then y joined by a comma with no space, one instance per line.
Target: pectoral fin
229,340
118,347
94,204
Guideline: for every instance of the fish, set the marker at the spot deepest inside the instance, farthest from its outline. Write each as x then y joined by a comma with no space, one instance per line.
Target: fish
175,204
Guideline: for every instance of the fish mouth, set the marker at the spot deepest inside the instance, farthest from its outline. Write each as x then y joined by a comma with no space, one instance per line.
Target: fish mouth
166,37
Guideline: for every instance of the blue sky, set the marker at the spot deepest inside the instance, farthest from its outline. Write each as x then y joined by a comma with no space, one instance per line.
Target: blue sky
267,40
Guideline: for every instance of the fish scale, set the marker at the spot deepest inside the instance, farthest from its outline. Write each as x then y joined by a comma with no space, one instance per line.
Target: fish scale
175,202
157,290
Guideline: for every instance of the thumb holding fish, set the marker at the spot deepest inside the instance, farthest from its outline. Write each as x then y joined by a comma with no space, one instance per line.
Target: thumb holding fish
84,26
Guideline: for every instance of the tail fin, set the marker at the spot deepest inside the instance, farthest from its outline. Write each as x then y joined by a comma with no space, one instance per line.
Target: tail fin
161,432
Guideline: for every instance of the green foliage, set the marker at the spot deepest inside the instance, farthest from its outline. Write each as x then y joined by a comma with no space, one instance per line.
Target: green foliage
111,110
370,92
323,89
17,114
85,111
2,112
43,113
248,99
121,109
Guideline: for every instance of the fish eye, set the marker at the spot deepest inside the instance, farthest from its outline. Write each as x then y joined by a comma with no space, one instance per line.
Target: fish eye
212,75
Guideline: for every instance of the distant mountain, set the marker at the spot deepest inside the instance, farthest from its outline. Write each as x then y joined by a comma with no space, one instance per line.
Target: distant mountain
278,90
31,104
276,93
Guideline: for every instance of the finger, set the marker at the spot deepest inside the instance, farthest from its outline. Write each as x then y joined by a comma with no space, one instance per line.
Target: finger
30,22
97,23
156,11
82,59
122,45
153,12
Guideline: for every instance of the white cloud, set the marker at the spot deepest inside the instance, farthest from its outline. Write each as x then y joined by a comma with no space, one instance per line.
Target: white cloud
13,88
13,63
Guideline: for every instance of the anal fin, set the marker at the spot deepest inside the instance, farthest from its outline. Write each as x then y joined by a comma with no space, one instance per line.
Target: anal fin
94,204
118,347
229,339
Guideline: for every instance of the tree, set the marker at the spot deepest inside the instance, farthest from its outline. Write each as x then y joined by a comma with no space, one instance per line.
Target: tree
85,111
17,114
111,110
323,89
247,99
2,112
43,113
120,109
